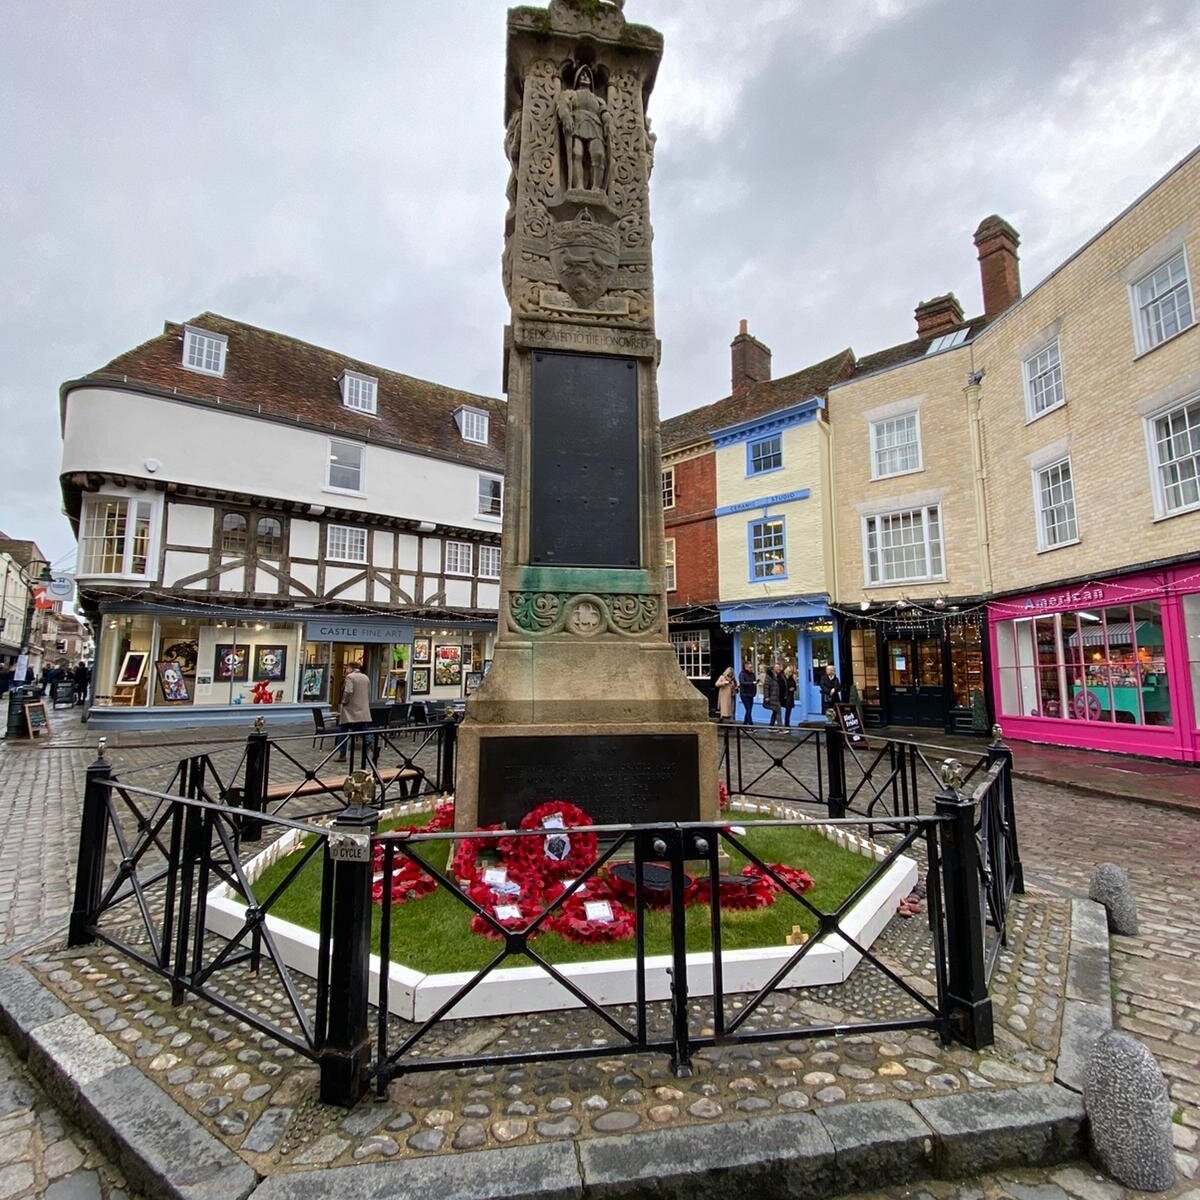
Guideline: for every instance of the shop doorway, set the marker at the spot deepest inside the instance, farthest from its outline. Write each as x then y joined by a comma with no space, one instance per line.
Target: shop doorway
345,655
916,680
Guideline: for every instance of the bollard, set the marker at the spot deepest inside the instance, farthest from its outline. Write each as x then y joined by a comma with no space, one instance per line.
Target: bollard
998,751
343,1042
835,766
446,755
966,979
93,837
258,752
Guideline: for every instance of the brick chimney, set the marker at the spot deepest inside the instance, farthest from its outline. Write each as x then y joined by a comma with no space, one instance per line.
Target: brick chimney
999,268
939,315
751,361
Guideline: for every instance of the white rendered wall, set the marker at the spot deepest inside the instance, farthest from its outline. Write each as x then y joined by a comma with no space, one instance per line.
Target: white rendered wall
116,432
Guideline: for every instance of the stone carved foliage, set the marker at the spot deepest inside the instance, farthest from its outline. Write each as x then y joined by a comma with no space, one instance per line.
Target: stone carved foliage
585,615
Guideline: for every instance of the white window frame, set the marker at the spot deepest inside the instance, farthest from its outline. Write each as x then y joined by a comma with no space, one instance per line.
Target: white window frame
330,486
480,511
669,564
1143,331
877,431
1162,505
472,424
206,348
668,488
693,649
351,537
360,393
131,504
934,565
488,555
455,553
1033,374
1044,540
766,550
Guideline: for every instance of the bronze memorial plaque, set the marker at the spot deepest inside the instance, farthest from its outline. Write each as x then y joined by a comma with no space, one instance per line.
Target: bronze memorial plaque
583,487
616,779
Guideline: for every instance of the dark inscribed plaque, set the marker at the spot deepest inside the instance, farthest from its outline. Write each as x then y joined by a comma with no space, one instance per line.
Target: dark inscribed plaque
617,779
583,484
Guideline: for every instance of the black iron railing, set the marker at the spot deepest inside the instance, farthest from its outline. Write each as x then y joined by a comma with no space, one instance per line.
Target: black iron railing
149,900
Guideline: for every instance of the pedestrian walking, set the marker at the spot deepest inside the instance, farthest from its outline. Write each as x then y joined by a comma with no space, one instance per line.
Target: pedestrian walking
726,682
748,690
81,677
788,699
355,712
772,690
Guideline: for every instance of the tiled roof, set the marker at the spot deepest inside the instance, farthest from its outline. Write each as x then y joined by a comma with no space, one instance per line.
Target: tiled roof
286,378
893,356
758,400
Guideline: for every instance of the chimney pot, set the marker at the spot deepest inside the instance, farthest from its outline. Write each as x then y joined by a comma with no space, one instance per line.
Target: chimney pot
939,315
999,265
750,361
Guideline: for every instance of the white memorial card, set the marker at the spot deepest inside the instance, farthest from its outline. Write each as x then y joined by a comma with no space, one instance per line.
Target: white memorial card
598,910
507,912
494,876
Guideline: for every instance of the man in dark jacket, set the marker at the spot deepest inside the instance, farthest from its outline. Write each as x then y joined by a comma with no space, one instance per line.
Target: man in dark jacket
747,689
773,692
831,688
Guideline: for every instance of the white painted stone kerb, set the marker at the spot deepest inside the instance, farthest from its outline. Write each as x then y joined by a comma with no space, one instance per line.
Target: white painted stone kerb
415,996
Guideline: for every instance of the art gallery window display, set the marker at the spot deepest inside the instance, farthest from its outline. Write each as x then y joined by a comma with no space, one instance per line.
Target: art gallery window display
168,660
1111,664
173,663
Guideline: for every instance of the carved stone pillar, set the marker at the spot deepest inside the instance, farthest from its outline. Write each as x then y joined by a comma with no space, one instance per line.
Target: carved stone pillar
585,700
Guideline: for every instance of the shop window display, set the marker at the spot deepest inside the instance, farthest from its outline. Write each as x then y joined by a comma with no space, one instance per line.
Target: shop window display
1104,664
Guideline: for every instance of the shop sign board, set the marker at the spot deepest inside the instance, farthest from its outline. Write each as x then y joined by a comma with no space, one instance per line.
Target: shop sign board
335,630
848,719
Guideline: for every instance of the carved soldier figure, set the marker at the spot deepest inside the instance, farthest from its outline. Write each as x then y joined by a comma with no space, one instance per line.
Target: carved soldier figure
585,125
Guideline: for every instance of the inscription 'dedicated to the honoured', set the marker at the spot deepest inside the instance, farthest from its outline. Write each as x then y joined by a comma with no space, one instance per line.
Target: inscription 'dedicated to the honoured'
616,779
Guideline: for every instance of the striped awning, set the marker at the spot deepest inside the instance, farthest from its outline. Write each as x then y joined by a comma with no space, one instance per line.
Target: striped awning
1120,633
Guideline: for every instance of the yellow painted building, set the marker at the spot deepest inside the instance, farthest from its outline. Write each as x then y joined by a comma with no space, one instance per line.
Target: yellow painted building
1091,436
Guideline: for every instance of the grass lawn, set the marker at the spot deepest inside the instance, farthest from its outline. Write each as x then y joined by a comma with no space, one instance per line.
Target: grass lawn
433,934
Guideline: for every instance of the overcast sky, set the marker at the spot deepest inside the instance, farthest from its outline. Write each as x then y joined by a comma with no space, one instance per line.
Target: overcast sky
335,171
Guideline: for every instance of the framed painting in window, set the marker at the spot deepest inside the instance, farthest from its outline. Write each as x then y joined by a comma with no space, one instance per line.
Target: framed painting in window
312,681
133,667
171,681
474,679
447,666
270,662
420,681
231,663
421,647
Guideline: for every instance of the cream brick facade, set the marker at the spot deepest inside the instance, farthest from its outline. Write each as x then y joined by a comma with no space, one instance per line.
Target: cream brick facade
936,388
803,469
1112,391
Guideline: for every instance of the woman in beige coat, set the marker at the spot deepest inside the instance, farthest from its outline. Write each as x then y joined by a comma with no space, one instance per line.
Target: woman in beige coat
726,687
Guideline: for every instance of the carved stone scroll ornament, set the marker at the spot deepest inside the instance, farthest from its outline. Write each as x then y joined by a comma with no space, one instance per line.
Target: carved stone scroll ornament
583,615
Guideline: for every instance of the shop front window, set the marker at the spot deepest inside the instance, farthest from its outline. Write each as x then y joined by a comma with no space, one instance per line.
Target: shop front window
769,646
864,664
1104,665
966,664
1191,621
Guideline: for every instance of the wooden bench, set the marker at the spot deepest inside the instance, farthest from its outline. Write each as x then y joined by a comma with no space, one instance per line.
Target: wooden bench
332,784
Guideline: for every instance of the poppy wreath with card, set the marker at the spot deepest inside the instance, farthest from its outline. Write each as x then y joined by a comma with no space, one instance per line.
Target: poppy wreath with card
562,853
794,877
573,923
745,891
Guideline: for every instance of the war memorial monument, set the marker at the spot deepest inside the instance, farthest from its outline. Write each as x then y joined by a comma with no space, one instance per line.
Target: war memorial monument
585,700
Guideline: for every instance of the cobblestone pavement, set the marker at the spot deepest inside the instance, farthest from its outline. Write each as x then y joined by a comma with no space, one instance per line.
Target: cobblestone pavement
1063,835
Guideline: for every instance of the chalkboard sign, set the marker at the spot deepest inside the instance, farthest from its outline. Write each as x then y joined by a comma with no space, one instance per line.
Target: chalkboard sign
847,718
64,693
36,718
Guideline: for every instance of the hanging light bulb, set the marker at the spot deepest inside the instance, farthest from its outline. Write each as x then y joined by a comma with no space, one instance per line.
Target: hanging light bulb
865,605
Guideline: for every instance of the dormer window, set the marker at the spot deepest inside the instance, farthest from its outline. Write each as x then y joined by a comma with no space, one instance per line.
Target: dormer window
359,392
472,424
204,351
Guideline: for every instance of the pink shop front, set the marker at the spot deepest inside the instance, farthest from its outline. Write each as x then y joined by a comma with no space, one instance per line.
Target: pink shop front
1111,664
